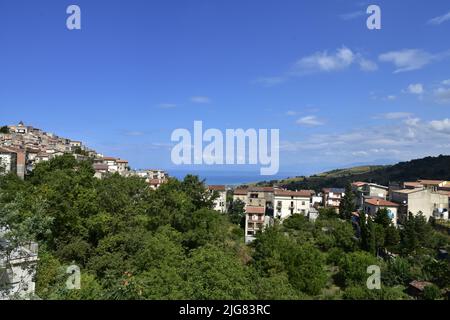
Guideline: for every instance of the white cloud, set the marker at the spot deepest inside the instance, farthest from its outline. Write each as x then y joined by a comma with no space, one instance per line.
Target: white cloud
446,82
292,113
342,59
322,61
416,88
391,97
167,105
270,81
394,115
442,95
352,15
134,133
367,65
402,140
440,19
310,121
412,122
408,59
201,99
441,125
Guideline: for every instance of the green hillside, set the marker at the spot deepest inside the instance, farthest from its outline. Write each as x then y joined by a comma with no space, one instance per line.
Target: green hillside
426,168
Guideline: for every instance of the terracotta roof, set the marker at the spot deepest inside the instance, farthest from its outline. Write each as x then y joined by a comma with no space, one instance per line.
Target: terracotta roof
155,182
432,182
261,189
412,184
100,166
240,192
216,188
381,202
288,193
121,161
420,285
359,183
109,159
258,210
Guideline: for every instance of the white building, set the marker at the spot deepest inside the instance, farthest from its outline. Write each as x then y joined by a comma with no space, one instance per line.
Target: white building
111,163
122,166
288,203
332,197
373,205
430,203
220,204
240,194
365,190
255,220
17,271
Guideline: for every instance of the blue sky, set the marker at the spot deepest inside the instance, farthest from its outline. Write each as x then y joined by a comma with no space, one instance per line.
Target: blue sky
339,93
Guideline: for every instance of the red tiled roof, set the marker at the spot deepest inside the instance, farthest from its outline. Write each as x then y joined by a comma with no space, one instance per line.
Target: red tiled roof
121,161
257,210
358,183
240,192
288,193
412,184
381,203
109,159
261,189
431,182
420,285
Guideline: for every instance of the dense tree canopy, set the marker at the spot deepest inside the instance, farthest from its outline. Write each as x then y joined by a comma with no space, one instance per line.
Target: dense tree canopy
132,242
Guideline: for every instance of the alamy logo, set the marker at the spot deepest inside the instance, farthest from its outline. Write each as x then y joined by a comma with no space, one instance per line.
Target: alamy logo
73,282
374,280
73,22
374,20
238,148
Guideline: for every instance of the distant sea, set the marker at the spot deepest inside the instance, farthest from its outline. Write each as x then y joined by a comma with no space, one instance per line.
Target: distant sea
230,178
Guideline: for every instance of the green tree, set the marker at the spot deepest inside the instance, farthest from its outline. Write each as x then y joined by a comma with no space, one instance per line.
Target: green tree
276,287
347,205
417,233
236,212
431,292
353,268
212,273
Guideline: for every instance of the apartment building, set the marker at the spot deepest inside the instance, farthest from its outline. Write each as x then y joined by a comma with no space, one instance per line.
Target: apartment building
431,203
332,197
240,194
258,211
373,205
255,221
122,166
17,270
365,190
13,160
288,203
220,204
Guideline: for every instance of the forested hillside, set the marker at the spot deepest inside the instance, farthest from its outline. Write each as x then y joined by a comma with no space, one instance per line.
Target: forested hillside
426,168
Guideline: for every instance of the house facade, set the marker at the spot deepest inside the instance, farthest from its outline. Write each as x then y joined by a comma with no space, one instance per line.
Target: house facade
373,205
288,203
430,203
220,204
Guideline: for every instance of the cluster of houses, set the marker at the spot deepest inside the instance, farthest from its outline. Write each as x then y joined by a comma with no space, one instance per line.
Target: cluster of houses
265,204
22,147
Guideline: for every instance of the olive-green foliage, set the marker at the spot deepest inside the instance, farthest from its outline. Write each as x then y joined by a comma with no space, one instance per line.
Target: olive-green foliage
132,242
